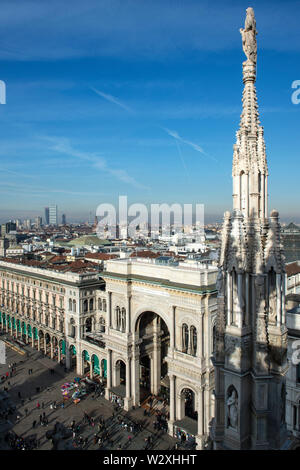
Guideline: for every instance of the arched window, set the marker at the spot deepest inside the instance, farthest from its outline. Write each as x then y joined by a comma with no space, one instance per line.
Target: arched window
118,318
91,305
104,305
193,337
85,306
88,325
74,306
70,305
99,304
185,338
102,325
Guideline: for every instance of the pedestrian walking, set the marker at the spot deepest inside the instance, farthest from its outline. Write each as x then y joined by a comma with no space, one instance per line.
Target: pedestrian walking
38,405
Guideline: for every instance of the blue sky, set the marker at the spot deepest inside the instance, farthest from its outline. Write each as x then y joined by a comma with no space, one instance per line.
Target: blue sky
140,98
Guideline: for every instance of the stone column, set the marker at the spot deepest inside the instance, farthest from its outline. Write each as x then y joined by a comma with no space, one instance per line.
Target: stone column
156,358
91,370
109,374
200,408
109,310
39,342
116,379
172,405
283,299
200,338
58,353
247,299
240,300
278,298
135,369
229,294
173,331
45,345
128,315
79,363
128,399
51,350
68,357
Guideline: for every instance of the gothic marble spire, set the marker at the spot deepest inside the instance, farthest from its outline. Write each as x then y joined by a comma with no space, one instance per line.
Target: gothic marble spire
250,354
249,170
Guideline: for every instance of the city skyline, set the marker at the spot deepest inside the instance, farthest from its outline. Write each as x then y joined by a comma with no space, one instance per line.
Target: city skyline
98,114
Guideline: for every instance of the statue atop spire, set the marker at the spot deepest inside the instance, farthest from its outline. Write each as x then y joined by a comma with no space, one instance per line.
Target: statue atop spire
249,36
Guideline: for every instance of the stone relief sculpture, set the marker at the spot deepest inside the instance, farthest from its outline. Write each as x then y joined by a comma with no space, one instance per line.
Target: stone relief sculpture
249,36
232,408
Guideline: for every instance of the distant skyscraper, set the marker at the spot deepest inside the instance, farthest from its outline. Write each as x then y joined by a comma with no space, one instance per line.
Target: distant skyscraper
63,219
27,224
8,227
53,214
47,215
38,222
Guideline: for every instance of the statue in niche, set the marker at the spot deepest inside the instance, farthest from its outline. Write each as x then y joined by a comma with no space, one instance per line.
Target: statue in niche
249,36
232,409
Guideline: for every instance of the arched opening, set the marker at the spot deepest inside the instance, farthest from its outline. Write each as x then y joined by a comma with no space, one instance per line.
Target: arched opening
29,332
155,339
102,325
19,330
95,365
85,362
72,328
55,348
35,337
193,340
88,325
14,326
104,368
185,338
120,374
188,404
47,344
62,349
243,191
24,329
272,297
41,340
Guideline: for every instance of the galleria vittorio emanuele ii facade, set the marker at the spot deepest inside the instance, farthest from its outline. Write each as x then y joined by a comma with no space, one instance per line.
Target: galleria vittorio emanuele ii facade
142,327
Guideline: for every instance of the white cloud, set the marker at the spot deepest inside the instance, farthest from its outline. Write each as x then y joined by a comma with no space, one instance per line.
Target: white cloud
112,99
62,145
